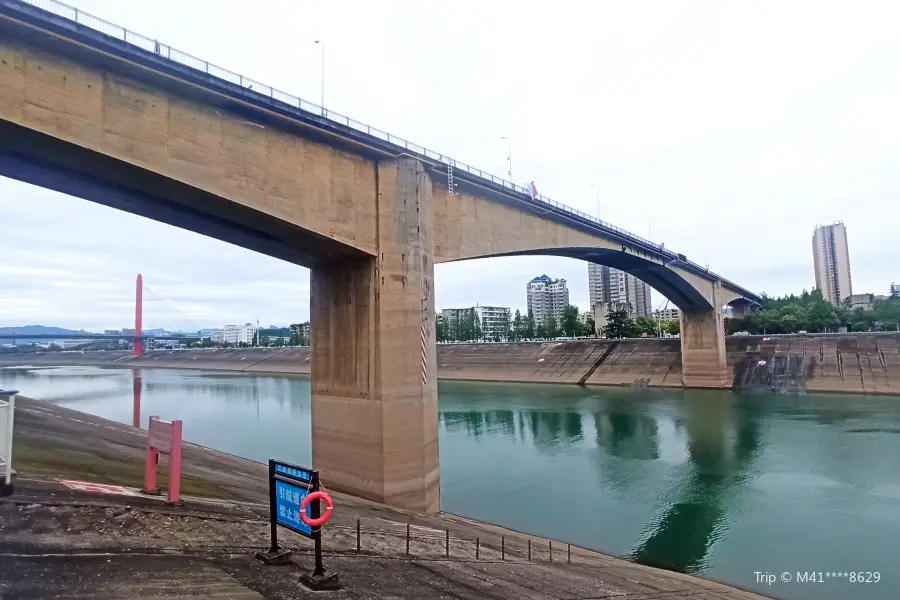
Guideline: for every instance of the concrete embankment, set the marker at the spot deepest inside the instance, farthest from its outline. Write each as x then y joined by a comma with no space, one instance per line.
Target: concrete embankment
860,363
101,546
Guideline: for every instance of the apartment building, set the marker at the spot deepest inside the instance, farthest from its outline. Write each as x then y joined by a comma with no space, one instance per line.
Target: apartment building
831,258
612,286
546,297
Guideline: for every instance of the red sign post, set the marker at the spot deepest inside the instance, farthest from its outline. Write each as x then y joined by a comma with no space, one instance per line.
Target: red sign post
163,437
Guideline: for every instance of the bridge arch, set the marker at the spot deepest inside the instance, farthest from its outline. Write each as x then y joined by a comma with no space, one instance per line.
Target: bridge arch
674,286
469,226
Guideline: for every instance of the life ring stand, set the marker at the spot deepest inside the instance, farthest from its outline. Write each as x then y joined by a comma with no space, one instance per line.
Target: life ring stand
329,506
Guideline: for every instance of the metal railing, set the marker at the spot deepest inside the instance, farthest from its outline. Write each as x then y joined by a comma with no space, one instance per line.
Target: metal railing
7,414
183,58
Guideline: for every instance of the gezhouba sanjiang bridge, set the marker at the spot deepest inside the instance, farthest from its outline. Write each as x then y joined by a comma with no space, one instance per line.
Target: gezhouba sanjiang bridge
94,111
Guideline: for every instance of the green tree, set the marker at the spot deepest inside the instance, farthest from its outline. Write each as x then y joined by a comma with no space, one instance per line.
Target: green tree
646,325
517,326
619,325
570,323
530,330
550,327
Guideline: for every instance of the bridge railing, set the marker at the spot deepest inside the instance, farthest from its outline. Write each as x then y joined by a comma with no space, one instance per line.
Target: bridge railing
183,58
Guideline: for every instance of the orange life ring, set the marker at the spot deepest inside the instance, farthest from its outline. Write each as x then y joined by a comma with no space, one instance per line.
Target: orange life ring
329,506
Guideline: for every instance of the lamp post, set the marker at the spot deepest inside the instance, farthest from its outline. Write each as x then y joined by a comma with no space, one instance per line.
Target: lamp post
596,189
509,154
322,102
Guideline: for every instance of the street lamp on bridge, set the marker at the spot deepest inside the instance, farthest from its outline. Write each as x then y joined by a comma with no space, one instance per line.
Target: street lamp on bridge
322,102
508,154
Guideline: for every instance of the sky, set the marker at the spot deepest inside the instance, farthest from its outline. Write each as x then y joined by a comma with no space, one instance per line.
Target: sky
726,130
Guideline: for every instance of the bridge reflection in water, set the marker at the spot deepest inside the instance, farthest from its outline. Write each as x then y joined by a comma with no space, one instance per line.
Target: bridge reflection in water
721,443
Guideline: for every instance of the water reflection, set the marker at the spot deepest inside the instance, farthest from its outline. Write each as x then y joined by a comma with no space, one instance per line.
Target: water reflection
624,431
722,444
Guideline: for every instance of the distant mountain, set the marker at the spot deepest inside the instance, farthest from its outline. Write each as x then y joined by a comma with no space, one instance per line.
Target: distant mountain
28,330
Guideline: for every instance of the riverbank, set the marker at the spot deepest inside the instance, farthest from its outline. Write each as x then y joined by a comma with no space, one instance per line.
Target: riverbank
859,363
138,547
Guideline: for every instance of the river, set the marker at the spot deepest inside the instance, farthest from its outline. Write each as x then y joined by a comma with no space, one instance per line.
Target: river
713,483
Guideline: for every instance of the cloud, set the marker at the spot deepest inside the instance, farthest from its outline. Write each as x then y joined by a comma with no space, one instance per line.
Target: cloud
727,131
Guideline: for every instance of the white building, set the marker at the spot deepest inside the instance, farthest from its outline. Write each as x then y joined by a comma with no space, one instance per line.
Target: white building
240,334
831,258
217,336
668,315
863,301
493,320
895,290
547,298
602,309
612,286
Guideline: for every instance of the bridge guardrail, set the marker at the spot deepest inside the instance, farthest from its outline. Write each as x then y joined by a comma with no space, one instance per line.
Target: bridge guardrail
151,45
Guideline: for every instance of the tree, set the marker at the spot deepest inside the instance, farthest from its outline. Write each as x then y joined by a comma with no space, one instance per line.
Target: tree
590,326
529,331
619,325
548,328
570,323
517,326
646,325
672,327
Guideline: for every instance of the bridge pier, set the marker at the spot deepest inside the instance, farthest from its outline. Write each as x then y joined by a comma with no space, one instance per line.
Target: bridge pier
374,367
703,357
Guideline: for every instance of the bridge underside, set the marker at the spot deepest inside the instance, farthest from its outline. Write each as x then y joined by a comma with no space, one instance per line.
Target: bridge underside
50,162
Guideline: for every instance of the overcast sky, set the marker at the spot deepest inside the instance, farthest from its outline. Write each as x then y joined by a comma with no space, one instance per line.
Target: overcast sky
727,130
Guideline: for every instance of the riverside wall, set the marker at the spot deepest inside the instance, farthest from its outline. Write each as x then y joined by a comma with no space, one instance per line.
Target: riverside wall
859,363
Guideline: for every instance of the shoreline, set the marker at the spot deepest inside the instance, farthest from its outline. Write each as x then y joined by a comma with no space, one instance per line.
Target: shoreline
854,364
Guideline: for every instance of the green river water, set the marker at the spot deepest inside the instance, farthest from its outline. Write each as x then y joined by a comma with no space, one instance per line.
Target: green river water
719,484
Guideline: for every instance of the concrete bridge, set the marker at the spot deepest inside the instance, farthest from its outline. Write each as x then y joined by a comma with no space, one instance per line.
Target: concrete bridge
97,112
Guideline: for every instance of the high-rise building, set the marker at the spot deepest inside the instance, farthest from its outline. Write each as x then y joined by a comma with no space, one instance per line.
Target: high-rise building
831,258
612,286
547,298
895,290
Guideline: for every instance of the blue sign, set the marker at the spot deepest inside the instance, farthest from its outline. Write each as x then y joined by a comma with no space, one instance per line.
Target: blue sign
287,506
293,472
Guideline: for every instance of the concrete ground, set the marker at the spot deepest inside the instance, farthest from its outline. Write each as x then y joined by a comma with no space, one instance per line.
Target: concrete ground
60,543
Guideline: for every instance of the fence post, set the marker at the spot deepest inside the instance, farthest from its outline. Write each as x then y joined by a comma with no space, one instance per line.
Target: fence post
407,539
477,548
569,553
357,536
7,415
529,549
448,542
551,550
502,547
